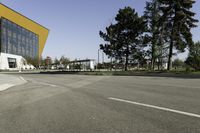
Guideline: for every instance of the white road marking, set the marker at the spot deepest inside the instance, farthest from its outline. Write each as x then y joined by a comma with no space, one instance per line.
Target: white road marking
157,107
11,81
49,84
43,83
22,79
4,87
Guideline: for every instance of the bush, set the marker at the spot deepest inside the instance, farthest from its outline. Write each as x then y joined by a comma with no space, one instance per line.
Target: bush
188,69
193,59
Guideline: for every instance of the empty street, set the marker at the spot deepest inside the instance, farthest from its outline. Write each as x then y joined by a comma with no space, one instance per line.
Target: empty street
59,103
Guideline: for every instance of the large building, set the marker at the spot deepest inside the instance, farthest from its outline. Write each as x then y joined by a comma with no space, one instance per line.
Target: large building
20,38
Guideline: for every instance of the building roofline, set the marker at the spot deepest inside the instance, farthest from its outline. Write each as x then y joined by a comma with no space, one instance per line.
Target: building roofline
24,16
86,60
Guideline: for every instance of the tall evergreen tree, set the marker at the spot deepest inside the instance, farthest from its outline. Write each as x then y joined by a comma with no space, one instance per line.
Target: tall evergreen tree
56,61
125,36
179,20
64,60
152,16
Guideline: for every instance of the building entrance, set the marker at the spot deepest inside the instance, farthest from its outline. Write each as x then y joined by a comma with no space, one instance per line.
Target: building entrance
12,63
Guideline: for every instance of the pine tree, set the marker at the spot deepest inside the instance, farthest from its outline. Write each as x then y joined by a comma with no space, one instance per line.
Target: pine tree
125,36
179,21
152,16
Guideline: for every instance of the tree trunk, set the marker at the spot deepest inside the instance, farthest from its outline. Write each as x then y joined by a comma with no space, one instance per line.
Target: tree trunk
161,63
126,63
153,60
161,40
169,65
111,63
153,57
127,58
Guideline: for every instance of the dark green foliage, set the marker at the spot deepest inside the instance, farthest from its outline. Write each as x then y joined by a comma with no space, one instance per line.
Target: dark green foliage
193,59
152,16
56,61
178,17
42,61
64,60
124,38
32,61
177,63
168,25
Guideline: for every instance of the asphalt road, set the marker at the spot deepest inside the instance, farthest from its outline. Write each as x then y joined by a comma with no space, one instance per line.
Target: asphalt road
101,104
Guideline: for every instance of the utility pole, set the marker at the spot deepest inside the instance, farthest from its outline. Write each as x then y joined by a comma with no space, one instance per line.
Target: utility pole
102,57
98,59
98,56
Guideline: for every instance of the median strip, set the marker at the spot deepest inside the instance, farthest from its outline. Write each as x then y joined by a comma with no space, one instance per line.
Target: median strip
157,107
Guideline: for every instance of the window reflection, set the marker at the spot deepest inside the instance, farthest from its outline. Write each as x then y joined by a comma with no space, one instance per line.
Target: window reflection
18,40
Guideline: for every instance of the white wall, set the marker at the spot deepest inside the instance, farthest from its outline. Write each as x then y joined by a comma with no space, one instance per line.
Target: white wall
19,60
92,64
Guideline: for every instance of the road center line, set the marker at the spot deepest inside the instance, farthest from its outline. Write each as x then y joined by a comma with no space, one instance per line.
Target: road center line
156,107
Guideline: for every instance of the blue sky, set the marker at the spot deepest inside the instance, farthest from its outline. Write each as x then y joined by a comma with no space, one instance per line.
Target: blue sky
74,24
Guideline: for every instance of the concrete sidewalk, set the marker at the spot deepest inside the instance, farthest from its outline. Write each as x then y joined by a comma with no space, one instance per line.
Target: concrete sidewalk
7,81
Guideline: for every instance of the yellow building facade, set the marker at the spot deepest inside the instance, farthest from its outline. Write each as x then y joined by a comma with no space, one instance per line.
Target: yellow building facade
20,38
26,23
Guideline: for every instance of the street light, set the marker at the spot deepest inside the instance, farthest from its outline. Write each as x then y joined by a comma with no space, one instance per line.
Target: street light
98,55
98,59
102,57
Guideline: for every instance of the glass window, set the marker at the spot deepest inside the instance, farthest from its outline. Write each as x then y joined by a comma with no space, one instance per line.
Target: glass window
18,40
12,63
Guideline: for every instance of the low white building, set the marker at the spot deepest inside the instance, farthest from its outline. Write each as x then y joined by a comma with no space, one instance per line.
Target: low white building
87,64
13,62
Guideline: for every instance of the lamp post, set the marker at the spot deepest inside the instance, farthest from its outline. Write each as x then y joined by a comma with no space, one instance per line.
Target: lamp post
98,59
98,56
102,57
